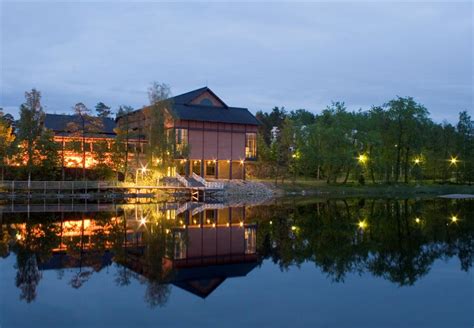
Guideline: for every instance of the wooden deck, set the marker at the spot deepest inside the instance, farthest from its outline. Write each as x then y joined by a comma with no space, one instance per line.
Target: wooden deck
84,188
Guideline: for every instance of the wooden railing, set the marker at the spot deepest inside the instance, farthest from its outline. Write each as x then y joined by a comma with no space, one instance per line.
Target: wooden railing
62,185
182,180
208,184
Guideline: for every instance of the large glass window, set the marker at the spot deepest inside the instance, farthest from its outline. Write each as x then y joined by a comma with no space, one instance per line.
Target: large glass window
211,168
251,145
181,139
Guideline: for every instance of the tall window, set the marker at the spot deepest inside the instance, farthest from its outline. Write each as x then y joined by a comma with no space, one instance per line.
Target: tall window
181,139
250,145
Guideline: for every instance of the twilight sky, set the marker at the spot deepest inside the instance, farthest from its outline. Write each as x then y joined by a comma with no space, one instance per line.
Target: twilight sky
255,55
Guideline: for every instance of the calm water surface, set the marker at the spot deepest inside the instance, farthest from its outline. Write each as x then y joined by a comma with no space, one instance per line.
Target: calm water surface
292,263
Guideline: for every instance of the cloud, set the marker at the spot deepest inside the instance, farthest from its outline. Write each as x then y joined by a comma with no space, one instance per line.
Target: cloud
301,55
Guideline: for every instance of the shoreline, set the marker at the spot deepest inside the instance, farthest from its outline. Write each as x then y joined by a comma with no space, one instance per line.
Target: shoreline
258,191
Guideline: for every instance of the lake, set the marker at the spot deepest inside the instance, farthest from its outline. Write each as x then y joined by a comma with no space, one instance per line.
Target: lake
293,262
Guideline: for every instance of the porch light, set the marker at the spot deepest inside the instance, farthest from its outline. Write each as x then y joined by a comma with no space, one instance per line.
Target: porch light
453,161
454,219
293,228
417,220
417,161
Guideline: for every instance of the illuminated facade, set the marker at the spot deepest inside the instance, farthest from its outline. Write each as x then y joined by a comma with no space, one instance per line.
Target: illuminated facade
81,140
221,140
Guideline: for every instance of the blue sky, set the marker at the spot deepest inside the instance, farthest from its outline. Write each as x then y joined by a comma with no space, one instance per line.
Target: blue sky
255,55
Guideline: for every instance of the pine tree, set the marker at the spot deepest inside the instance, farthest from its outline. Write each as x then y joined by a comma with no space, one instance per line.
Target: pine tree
102,110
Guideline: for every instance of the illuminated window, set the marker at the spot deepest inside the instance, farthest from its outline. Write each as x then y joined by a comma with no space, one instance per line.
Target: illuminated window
251,145
210,168
181,138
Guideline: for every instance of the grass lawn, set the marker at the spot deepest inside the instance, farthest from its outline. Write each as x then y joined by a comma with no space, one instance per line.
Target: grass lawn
312,186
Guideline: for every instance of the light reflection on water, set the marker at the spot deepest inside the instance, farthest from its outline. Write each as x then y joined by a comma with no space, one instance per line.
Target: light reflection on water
161,259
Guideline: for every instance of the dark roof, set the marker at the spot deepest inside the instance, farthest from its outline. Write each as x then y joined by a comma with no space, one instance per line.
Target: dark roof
214,114
59,122
187,97
183,109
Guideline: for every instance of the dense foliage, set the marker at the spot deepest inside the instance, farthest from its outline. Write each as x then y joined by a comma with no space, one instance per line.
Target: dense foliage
395,142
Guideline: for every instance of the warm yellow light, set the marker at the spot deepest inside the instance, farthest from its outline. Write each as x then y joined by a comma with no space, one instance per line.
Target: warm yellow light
271,222
180,221
194,221
228,161
184,226
362,224
241,224
453,160
167,231
362,158
213,225
417,161
18,236
417,220
293,228
214,161
241,161
208,221
142,221
227,224
454,219
294,155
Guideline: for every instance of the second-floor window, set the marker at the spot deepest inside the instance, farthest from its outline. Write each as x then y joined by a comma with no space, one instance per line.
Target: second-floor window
181,138
251,145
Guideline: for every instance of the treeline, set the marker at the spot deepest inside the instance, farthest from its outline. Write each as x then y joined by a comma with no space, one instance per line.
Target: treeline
392,143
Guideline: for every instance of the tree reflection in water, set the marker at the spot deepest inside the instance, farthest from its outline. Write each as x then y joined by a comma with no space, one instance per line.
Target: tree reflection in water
397,240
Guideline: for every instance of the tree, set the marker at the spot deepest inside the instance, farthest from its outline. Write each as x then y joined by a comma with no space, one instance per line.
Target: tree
465,147
30,126
6,140
160,150
407,118
48,159
120,147
102,110
84,126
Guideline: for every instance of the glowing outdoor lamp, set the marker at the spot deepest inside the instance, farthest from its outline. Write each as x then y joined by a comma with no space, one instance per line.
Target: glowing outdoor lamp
417,220
454,219
362,158
142,220
417,161
362,225
453,161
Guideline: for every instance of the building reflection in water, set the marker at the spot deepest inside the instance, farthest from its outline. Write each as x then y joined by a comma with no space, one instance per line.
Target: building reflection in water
194,247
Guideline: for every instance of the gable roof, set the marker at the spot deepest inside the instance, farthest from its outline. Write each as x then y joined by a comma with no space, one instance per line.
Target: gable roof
184,109
188,97
58,123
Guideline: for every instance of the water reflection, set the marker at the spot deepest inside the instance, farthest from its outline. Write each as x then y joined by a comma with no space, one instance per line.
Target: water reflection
197,247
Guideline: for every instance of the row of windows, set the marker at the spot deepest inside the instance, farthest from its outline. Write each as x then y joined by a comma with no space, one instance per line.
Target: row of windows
181,139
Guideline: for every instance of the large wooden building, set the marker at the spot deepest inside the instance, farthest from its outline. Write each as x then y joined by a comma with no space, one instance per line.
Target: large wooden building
221,140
